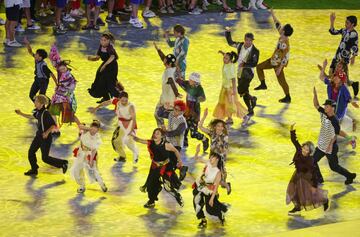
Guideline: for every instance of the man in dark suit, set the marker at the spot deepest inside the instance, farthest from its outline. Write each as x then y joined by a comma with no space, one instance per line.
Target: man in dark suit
248,59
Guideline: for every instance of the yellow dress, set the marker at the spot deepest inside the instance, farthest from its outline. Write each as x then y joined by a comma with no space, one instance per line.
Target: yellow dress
229,103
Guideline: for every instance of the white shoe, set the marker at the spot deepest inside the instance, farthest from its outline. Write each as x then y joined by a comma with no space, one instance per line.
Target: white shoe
75,13
261,6
2,22
194,12
204,7
136,23
252,5
206,3
68,18
246,120
148,14
14,44
198,9
33,27
19,28
163,10
170,10
218,2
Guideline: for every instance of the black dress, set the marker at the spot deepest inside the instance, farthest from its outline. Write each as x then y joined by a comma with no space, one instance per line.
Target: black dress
105,82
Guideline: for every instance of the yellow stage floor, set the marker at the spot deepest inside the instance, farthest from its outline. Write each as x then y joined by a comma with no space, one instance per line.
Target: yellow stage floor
259,155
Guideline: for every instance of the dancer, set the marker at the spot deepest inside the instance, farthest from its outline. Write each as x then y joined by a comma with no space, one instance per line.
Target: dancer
348,47
219,143
181,47
42,72
248,59
63,102
205,190
303,189
327,145
228,101
126,114
194,96
161,172
169,90
278,61
43,137
338,92
86,157
104,85
175,133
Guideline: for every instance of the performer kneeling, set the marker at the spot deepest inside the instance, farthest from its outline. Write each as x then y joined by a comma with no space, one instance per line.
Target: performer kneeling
303,190
205,190
161,171
86,157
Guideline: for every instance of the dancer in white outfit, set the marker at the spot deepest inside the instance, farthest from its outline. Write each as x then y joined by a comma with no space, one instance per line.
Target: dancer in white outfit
125,112
205,190
169,91
86,157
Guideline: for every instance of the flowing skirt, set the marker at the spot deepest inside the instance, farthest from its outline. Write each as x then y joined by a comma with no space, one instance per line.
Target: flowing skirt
228,105
303,194
105,83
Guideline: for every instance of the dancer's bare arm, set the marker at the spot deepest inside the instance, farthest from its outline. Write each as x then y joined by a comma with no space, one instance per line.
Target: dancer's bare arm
315,99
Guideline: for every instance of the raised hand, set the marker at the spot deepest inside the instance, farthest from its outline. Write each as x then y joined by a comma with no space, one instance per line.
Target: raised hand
292,127
332,17
314,91
325,63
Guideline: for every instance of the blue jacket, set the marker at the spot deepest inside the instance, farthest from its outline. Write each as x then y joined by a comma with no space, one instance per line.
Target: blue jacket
342,99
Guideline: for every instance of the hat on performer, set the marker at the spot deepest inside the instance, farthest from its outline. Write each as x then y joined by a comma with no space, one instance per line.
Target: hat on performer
330,102
195,77
170,59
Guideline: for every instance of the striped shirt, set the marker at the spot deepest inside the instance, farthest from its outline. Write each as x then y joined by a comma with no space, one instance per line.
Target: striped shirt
174,123
329,129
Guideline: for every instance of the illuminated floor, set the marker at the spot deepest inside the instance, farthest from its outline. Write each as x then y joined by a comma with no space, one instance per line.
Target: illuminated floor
259,156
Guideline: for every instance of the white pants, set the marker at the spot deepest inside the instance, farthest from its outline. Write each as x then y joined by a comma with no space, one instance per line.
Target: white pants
121,139
80,166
